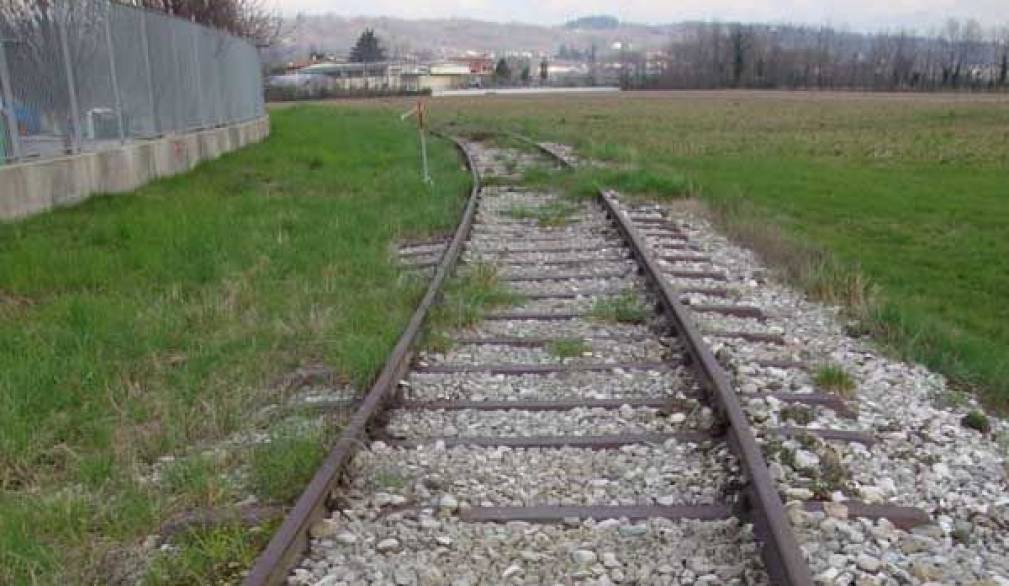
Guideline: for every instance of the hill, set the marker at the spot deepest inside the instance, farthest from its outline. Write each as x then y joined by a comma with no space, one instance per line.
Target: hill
435,38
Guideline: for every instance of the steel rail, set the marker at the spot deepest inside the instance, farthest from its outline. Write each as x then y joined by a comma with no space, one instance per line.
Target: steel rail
291,539
783,558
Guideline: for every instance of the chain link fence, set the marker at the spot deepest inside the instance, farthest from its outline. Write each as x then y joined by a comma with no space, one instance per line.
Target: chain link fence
83,75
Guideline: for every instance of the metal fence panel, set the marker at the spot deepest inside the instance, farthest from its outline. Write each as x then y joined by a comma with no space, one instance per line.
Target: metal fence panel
39,87
89,71
80,75
135,79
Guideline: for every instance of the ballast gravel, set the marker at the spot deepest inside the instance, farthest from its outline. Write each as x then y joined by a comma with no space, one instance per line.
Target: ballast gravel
619,384
675,471
575,422
397,517
589,352
923,457
425,549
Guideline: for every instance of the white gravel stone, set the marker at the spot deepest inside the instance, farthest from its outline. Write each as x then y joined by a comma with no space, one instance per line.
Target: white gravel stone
448,503
806,459
868,563
387,546
346,538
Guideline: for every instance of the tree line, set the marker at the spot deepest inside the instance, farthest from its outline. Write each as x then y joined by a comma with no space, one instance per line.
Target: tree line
962,55
250,19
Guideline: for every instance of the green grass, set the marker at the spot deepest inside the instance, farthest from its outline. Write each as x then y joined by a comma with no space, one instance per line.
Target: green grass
282,467
833,378
585,182
133,327
625,308
549,215
465,298
978,421
568,348
198,482
217,555
902,197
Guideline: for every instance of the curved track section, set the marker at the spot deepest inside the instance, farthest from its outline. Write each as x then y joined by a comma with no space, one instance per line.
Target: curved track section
584,435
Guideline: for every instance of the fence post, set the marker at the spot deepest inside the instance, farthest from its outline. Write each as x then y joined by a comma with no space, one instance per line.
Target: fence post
197,82
224,116
146,46
115,77
178,116
8,105
75,112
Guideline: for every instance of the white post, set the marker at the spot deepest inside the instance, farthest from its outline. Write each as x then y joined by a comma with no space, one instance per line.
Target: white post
146,46
196,78
178,109
423,154
8,105
115,77
75,112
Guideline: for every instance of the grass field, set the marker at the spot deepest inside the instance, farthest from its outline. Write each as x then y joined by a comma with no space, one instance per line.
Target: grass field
911,191
152,325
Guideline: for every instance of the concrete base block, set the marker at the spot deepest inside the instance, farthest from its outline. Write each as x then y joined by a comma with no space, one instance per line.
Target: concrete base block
34,187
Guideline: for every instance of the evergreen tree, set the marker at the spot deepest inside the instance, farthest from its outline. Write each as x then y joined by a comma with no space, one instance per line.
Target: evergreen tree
368,48
503,72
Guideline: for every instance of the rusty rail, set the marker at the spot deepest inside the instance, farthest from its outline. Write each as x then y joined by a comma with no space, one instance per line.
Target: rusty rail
290,541
782,556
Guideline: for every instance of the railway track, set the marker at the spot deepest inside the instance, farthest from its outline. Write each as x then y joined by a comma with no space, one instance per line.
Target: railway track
586,435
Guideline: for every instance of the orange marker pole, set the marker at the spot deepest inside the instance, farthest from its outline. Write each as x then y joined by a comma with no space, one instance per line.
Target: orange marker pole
422,128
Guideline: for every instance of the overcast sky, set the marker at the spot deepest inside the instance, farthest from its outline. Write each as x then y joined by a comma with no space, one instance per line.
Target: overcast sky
857,14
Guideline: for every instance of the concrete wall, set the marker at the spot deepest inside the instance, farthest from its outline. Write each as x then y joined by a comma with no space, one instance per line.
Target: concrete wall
34,187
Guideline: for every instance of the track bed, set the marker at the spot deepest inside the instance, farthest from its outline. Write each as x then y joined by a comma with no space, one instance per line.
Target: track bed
568,438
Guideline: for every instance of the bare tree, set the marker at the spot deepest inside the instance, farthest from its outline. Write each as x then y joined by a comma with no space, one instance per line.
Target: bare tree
1001,44
740,40
959,55
245,18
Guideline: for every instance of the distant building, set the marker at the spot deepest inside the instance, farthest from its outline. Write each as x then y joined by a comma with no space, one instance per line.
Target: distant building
390,76
482,65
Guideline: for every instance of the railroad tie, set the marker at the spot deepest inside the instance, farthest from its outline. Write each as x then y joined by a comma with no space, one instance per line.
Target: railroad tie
543,369
664,405
565,277
601,442
561,514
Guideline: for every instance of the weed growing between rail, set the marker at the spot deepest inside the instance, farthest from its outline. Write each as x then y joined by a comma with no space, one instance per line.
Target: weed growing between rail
466,298
625,308
833,378
150,325
549,215
633,182
569,348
